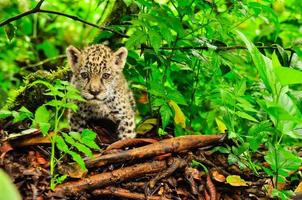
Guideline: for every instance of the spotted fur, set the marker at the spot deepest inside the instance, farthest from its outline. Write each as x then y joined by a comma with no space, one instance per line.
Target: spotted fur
97,73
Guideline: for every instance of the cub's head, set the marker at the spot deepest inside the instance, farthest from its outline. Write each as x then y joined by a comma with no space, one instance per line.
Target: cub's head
95,69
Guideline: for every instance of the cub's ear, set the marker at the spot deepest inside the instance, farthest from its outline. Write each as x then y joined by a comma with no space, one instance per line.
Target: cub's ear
74,57
120,57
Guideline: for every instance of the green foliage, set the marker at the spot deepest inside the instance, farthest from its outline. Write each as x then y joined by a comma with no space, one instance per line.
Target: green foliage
62,96
8,190
188,57
47,117
282,162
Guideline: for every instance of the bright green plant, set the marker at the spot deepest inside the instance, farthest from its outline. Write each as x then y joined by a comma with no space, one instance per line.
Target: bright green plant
8,189
63,94
48,117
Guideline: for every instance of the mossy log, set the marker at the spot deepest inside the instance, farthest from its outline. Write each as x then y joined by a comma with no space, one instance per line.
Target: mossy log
32,96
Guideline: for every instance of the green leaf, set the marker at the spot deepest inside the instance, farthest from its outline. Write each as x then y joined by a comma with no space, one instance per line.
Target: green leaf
42,115
137,38
44,127
88,138
157,89
68,139
175,95
146,126
75,135
73,95
62,146
88,135
25,110
48,48
258,133
282,161
161,132
8,190
21,115
282,194
10,31
45,83
5,113
71,106
286,75
76,157
155,39
82,148
166,114
247,106
246,116
179,130
54,103
54,92
158,102
263,66
128,2
60,179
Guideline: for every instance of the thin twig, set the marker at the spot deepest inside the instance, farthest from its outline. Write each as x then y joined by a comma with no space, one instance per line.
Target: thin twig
32,11
37,9
44,61
76,18
216,48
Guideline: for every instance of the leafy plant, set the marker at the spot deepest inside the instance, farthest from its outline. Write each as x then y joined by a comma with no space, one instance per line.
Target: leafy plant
48,117
62,94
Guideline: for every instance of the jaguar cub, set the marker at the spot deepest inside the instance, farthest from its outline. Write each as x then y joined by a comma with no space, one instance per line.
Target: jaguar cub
98,74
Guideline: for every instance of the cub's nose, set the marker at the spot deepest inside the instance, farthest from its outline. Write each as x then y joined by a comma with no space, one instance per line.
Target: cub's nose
94,92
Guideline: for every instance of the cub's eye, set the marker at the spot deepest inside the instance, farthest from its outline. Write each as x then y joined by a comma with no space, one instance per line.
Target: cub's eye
106,76
84,75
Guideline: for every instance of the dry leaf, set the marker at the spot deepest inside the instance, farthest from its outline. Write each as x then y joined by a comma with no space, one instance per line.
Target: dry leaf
5,147
146,126
143,99
193,172
221,126
179,117
73,170
218,177
235,180
161,191
299,188
40,159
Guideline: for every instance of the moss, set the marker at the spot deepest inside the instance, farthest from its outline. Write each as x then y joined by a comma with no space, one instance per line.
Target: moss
31,96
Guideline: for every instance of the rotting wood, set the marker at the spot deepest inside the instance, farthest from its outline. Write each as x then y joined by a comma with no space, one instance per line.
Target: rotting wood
107,178
170,145
124,193
211,188
176,163
130,143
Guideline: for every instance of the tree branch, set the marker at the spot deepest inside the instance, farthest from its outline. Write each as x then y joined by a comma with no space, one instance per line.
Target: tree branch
32,11
218,48
44,61
76,18
37,9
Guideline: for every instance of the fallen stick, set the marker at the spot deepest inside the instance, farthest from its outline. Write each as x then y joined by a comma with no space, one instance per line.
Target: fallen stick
211,188
130,143
176,163
123,193
170,145
112,177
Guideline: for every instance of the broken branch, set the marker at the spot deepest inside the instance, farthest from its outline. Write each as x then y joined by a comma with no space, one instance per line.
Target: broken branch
112,177
123,193
170,145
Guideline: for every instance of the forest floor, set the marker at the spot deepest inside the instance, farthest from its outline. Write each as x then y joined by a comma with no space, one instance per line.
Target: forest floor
186,167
